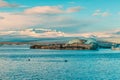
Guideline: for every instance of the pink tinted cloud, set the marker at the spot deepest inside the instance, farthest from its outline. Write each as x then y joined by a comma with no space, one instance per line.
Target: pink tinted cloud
3,3
51,10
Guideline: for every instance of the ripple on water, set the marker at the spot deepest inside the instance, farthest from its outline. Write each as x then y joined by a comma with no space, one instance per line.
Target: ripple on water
61,65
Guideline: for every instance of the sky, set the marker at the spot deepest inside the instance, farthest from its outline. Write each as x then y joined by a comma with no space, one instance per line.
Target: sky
65,16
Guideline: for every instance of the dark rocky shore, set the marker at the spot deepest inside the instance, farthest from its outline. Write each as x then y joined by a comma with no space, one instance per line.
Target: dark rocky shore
75,44
63,46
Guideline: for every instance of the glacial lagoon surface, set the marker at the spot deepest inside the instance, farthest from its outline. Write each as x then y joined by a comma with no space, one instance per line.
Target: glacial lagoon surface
22,63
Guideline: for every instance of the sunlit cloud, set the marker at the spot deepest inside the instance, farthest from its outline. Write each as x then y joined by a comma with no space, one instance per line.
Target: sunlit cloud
51,10
74,9
6,4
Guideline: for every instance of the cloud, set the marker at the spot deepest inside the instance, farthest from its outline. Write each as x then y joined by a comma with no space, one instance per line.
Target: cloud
104,14
6,4
49,33
18,21
51,10
44,10
1,17
74,9
46,33
97,13
34,33
71,2
111,36
12,21
100,13
118,13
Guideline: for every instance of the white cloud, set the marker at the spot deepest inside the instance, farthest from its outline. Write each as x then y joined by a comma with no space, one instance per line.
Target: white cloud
97,13
118,13
104,14
51,10
6,4
100,13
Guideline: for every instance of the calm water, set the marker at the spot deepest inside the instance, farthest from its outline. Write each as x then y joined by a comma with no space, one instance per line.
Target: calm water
21,63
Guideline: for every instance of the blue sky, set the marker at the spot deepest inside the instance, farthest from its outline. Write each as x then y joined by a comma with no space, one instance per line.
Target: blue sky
69,16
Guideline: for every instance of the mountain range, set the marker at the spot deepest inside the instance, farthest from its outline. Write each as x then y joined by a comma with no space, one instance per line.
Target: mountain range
40,34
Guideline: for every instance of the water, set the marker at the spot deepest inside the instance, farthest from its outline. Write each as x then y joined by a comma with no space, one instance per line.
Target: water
22,63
